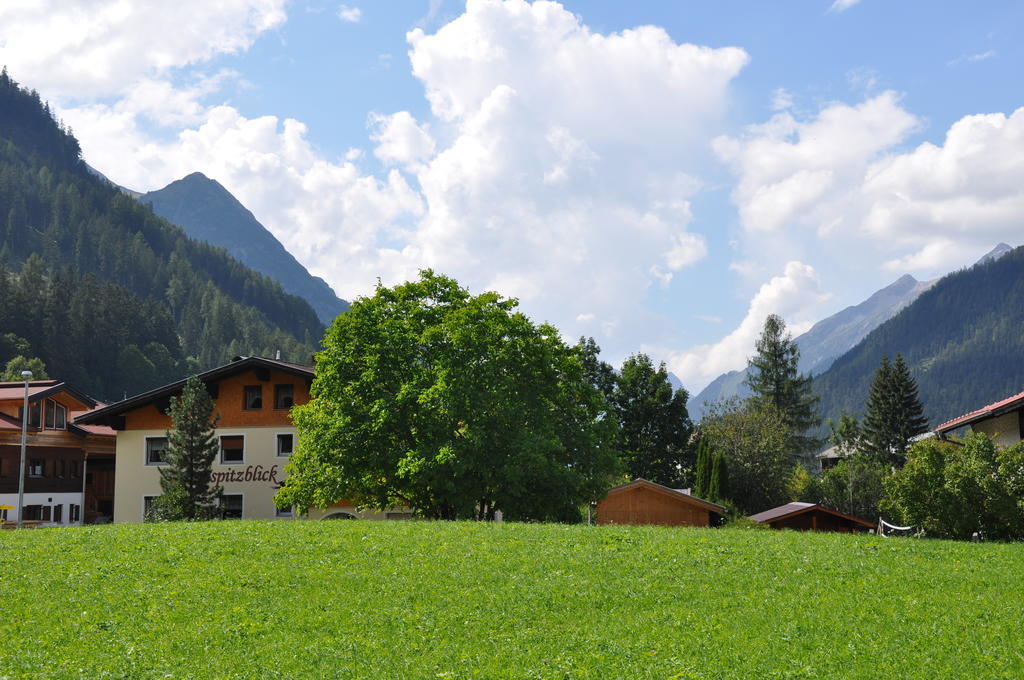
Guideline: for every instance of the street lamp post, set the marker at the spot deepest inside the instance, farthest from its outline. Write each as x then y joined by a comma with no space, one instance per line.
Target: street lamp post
26,376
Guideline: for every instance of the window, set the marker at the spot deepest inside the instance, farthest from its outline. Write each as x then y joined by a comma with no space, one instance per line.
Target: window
156,447
147,505
36,467
74,513
45,513
231,506
61,468
285,444
232,449
285,512
76,469
33,414
56,415
284,396
253,398
33,512
58,514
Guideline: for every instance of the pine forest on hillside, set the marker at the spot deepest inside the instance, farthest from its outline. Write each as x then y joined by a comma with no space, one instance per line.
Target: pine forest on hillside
961,341
111,297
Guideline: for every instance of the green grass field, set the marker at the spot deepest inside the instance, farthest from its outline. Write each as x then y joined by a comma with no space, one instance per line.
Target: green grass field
373,600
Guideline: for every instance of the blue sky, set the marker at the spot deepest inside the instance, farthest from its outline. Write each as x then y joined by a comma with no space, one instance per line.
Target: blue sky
660,175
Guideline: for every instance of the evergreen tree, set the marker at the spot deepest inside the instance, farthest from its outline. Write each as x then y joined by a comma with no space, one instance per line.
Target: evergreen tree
191,448
894,413
703,468
718,485
774,379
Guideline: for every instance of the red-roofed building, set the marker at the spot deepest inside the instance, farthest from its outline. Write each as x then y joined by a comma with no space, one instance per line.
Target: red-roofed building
811,517
69,469
1002,420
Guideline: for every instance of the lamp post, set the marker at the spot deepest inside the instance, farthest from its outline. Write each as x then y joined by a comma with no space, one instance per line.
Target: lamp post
26,376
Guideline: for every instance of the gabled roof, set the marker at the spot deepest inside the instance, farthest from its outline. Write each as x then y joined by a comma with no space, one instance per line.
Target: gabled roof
994,409
796,508
40,389
674,493
237,365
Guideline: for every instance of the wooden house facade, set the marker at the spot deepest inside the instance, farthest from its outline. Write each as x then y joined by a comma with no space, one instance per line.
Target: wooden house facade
69,468
644,502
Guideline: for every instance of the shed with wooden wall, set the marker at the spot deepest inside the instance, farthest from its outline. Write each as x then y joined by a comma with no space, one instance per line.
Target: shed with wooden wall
644,502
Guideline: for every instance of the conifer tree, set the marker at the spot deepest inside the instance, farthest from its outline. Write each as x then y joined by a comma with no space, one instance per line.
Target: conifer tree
186,482
894,414
703,471
774,379
719,479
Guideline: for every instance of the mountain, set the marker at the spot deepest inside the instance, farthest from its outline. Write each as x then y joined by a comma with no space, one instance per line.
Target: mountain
961,339
110,296
825,341
208,212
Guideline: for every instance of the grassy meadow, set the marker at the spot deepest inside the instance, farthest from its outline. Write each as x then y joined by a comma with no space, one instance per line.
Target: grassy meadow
365,600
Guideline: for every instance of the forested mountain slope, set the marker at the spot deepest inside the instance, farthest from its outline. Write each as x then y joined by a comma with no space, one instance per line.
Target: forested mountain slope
208,212
962,340
116,298
826,340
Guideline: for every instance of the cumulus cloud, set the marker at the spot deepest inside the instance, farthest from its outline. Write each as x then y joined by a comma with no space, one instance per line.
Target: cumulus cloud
795,295
557,165
350,15
843,176
95,48
400,139
793,173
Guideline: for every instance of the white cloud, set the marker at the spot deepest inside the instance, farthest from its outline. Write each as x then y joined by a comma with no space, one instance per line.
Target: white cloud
842,5
793,174
96,48
575,199
971,58
348,14
795,295
400,139
782,99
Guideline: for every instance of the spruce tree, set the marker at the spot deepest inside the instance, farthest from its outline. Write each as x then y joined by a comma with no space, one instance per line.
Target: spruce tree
191,448
894,414
703,471
775,380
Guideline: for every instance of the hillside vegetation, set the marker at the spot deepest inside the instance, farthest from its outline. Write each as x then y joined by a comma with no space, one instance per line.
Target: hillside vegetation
961,339
408,600
117,299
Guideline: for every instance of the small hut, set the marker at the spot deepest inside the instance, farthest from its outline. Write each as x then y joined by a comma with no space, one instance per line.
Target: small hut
811,517
644,502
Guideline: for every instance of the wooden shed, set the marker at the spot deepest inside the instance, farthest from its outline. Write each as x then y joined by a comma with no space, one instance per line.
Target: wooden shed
644,502
811,517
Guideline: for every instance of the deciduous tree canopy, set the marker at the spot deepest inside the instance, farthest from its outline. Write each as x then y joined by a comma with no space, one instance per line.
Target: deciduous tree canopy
453,404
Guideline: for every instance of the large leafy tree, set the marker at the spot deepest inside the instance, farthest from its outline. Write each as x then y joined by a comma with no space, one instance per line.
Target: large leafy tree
752,438
452,404
775,380
894,414
953,490
655,428
186,481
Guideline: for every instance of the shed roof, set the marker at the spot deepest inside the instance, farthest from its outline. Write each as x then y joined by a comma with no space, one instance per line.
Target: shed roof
797,508
237,365
993,409
674,493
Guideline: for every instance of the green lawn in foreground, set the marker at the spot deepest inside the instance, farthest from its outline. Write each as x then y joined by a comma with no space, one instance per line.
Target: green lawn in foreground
370,600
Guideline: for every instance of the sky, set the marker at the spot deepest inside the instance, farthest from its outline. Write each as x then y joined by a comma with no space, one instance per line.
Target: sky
659,175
